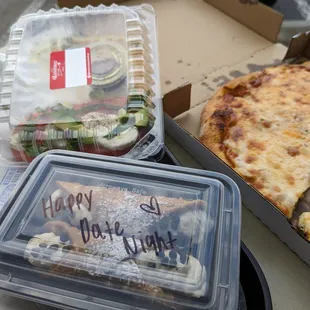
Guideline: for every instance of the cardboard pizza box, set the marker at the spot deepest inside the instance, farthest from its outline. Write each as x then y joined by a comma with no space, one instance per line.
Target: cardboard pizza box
203,45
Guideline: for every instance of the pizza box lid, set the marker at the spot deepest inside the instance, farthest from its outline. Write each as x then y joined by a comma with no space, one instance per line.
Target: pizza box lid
70,82
119,233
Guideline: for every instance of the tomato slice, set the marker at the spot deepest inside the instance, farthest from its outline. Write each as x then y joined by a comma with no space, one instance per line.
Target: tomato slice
92,149
21,156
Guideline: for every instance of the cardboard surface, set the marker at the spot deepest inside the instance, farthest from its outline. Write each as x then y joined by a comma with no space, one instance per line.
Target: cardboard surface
181,97
299,46
249,13
252,14
195,39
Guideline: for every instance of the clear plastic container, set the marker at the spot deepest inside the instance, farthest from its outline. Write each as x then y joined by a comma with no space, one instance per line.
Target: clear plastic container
91,232
139,62
70,82
138,38
10,174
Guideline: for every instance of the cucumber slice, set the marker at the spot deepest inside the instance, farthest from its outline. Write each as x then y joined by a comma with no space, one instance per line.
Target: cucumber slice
142,118
123,116
89,140
67,105
121,113
121,128
68,122
104,131
122,141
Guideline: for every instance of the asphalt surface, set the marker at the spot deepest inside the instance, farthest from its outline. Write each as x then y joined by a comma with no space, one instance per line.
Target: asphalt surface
290,9
11,10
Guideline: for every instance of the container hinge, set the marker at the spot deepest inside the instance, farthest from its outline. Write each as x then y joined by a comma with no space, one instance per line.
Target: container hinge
6,277
225,286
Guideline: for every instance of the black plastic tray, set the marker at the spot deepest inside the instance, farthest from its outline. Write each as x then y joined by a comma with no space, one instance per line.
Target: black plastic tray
253,282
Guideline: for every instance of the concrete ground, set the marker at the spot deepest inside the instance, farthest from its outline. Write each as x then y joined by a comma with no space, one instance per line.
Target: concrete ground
11,10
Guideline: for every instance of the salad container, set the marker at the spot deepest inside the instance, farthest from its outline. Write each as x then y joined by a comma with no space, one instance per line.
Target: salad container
84,79
93,232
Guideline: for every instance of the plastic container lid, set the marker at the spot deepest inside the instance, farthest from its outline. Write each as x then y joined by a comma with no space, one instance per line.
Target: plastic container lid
70,82
96,234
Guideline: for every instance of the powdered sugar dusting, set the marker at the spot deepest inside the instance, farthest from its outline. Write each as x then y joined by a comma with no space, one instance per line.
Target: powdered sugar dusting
124,207
109,258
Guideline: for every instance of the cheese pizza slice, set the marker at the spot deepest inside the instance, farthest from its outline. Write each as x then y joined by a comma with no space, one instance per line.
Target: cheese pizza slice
259,125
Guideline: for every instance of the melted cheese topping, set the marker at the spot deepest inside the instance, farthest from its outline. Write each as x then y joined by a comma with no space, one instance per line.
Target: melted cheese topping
267,137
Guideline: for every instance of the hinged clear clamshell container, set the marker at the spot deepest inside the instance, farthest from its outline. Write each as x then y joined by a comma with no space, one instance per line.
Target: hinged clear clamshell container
84,79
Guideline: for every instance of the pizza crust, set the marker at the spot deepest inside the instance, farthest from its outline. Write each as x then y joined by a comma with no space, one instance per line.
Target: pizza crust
259,125
304,224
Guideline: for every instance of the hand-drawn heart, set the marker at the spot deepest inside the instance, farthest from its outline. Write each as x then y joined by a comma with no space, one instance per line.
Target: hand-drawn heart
152,208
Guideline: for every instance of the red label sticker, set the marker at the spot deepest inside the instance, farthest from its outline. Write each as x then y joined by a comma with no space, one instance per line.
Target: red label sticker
58,72
70,68
88,66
